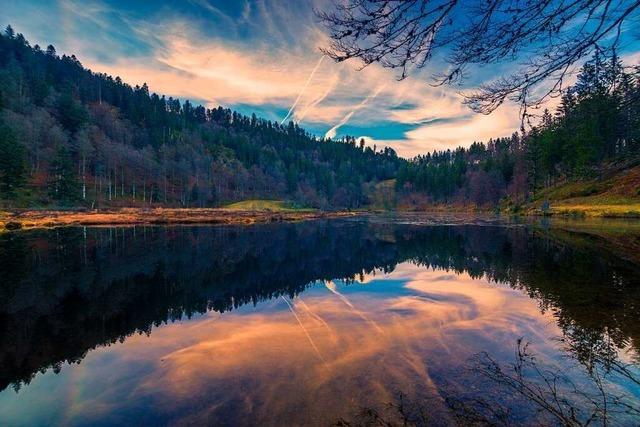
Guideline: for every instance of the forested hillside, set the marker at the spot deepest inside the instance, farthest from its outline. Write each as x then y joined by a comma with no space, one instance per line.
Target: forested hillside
72,137
596,125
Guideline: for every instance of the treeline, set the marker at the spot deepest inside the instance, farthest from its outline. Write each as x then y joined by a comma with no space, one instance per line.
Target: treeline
69,136
597,122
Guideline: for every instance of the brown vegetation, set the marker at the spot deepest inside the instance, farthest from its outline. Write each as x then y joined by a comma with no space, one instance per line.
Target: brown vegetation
135,216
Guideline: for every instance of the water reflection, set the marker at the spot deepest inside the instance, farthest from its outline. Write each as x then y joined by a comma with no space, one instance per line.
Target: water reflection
291,323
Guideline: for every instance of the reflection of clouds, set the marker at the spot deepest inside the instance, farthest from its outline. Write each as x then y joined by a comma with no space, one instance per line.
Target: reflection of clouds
365,278
306,332
400,271
299,301
443,305
263,365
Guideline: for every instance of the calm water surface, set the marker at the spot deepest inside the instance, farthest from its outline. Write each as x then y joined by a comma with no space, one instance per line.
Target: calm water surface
319,322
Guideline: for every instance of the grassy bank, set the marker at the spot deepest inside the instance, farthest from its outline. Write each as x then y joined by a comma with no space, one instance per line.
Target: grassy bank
630,210
614,195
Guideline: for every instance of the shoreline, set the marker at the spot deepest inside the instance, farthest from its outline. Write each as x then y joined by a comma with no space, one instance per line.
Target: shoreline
51,218
35,219
579,211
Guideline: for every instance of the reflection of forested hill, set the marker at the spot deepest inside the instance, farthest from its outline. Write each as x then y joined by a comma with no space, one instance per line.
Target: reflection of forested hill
67,291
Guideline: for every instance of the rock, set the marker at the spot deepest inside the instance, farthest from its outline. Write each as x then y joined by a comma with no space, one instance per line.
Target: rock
546,207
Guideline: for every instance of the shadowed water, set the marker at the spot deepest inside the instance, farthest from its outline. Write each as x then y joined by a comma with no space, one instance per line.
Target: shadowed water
314,323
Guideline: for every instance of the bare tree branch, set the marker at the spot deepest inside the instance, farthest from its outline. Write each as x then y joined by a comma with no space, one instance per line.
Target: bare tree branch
546,37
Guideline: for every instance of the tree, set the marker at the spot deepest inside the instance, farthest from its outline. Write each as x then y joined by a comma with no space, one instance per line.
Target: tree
12,162
292,178
9,32
64,184
550,36
72,114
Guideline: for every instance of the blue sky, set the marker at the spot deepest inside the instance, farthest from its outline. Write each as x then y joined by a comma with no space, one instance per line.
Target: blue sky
261,56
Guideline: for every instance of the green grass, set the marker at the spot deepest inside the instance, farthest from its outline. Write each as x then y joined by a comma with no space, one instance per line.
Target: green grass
629,210
266,205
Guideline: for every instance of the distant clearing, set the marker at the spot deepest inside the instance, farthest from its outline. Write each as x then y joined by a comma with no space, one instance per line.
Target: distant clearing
265,205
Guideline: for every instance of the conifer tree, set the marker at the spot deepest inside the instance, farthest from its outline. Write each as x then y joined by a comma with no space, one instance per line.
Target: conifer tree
12,162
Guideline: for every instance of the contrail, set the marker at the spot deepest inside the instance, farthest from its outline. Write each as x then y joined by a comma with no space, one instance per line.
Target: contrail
332,287
331,133
306,332
318,100
303,89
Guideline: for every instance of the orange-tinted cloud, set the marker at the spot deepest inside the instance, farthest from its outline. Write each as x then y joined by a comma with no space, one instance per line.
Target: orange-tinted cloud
297,365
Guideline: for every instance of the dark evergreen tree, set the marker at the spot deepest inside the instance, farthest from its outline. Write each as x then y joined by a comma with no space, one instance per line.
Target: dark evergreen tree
12,162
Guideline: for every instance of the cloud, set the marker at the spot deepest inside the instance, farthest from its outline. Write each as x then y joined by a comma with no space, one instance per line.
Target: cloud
192,66
477,127
186,67
448,134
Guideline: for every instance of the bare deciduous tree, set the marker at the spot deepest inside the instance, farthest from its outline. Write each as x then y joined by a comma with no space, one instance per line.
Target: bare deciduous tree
547,37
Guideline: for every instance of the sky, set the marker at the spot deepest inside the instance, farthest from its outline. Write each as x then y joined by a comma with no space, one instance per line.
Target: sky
263,57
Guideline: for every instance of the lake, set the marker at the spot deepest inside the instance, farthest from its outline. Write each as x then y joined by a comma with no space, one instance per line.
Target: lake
348,322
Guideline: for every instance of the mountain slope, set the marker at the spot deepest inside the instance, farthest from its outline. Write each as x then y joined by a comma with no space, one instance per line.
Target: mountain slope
69,136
